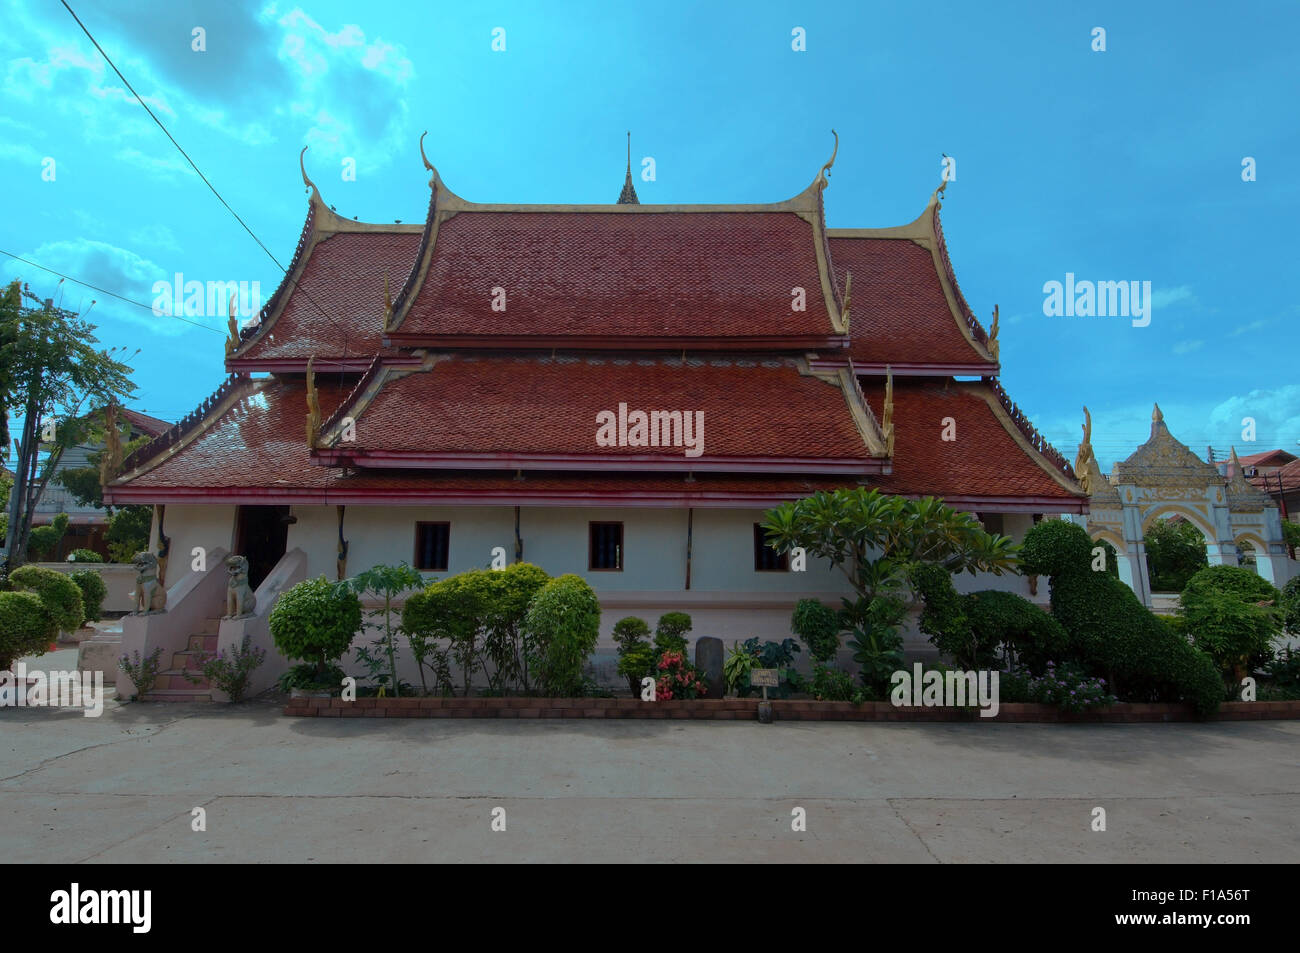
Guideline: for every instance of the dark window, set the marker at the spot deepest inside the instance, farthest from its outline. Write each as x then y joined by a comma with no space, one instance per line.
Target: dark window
767,559
431,546
992,523
606,547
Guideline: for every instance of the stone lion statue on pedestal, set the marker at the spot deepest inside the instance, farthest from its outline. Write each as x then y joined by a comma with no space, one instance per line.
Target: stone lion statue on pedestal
149,597
240,599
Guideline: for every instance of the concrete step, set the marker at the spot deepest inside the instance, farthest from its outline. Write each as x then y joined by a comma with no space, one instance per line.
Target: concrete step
178,695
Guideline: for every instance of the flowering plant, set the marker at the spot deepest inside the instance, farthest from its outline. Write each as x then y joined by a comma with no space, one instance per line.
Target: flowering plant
678,678
1070,689
230,672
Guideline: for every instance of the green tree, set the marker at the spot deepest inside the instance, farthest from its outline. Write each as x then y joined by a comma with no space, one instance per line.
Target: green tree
50,371
1175,553
1231,614
128,532
387,582
874,539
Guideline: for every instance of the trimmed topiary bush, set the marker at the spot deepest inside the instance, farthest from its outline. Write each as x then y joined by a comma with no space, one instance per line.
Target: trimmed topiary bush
971,629
564,624
670,633
1111,633
26,626
60,594
1231,614
316,621
43,540
629,632
635,664
818,626
84,556
1291,605
93,593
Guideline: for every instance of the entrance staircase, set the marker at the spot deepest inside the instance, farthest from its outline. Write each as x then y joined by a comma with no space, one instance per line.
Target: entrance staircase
172,685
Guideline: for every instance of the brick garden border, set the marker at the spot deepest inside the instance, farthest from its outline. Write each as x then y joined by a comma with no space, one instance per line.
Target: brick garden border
746,709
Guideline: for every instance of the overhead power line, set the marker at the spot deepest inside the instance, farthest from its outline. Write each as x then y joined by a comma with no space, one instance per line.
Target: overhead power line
112,294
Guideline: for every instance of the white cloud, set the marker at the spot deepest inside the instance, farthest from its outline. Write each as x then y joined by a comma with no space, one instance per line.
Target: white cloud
1164,297
1186,347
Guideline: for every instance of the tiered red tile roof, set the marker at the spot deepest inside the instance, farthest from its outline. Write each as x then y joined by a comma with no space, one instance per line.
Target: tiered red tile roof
669,308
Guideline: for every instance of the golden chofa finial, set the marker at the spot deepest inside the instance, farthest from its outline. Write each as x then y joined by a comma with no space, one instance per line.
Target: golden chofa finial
427,164
232,325
315,192
388,304
887,421
1085,456
994,347
848,299
313,405
822,180
1156,416
937,195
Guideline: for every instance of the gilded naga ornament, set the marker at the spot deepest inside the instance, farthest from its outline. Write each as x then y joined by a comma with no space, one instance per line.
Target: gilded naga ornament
313,405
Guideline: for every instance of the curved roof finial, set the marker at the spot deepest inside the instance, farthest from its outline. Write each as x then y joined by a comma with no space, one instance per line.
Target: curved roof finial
1156,416
427,164
822,180
887,418
994,346
315,192
937,195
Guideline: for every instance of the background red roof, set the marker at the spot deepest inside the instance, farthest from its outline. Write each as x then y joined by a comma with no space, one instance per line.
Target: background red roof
699,274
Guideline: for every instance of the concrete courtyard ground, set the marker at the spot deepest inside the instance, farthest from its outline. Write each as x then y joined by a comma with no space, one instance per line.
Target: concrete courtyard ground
121,788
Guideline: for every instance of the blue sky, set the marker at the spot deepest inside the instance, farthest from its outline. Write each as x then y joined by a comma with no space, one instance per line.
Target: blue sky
1116,165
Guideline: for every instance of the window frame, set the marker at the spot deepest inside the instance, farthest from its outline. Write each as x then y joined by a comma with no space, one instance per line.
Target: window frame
415,561
760,545
619,549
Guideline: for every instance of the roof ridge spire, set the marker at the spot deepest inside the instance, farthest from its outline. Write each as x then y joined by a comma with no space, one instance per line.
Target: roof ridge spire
628,195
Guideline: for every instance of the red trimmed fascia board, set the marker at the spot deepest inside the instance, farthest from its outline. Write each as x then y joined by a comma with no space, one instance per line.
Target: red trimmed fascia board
384,460
298,365
611,497
908,370
586,342
263,496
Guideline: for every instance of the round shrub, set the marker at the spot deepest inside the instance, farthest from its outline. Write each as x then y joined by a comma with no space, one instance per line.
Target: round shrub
635,664
564,622
1025,631
60,594
316,621
84,556
1053,547
93,593
670,632
630,632
26,626
819,627
1231,614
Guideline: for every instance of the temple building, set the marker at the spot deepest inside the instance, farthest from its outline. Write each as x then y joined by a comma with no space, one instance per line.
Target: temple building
617,391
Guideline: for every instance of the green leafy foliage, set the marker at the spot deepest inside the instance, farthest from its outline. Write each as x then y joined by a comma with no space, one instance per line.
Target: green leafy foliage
818,625
143,672
975,629
316,621
1112,635
874,539
128,532
26,626
1290,605
1069,688
1175,552
670,632
59,594
310,677
93,593
777,655
1284,671
629,632
50,368
1231,614
563,623
637,663
231,672
833,685
1291,533
44,540
386,582
84,556
736,668
1112,557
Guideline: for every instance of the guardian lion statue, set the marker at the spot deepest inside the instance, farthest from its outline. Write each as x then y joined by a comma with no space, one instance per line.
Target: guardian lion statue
240,600
149,596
